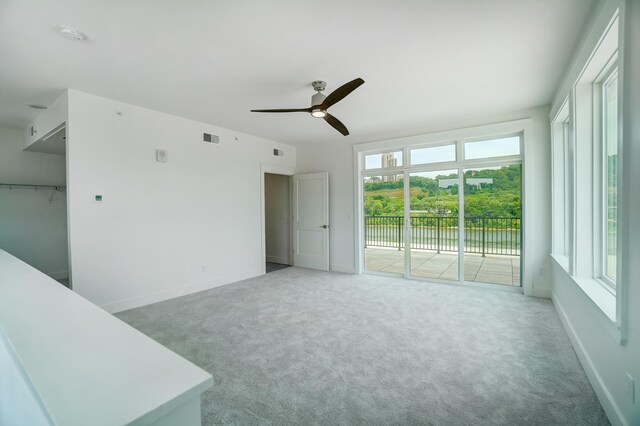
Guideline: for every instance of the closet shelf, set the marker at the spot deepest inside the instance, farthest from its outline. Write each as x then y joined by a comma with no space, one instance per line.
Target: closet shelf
32,186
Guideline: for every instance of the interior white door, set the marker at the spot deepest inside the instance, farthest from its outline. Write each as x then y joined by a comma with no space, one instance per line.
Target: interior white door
311,221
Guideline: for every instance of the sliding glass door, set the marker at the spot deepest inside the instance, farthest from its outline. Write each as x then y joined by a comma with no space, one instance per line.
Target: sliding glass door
384,223
433,224
448,212
492,206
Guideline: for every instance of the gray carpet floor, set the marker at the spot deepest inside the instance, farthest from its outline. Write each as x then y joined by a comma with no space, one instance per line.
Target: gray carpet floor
306,347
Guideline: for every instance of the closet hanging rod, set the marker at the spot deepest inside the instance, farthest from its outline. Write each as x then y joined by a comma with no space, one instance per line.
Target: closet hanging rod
32,186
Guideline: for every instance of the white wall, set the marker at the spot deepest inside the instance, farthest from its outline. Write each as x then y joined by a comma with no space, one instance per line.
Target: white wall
46,122
605,360
31,228
277,218
337,159
163,229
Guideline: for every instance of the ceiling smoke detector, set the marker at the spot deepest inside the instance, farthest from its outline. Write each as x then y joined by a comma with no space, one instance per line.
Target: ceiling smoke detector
72,34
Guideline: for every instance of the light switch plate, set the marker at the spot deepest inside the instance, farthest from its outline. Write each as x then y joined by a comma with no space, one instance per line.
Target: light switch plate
631,388
161,156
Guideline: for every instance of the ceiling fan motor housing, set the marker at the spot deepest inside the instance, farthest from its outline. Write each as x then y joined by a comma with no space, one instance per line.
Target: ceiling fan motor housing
317,99
319,85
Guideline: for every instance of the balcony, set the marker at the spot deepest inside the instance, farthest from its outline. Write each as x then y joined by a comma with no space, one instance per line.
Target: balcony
491,246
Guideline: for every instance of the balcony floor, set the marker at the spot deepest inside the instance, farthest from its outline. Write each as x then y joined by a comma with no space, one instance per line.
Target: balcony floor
492,269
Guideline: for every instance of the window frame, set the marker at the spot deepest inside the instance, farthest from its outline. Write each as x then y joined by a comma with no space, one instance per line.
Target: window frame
602,225
562,187
582,90
568,186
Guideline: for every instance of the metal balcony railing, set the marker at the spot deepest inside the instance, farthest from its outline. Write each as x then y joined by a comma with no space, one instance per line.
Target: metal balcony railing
483,235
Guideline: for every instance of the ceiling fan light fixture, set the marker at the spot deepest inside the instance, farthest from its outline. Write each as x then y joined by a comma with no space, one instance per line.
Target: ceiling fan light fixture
321,103
319,113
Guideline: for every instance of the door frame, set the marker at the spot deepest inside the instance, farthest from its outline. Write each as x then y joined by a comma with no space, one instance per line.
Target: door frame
276,170
501,129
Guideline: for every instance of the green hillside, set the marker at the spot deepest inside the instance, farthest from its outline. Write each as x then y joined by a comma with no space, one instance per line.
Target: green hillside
501,198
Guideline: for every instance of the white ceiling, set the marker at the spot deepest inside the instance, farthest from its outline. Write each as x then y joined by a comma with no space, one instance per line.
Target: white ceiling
424,61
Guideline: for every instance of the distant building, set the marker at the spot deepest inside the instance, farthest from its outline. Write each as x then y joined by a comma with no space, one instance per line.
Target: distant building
389,160
479,181
448,183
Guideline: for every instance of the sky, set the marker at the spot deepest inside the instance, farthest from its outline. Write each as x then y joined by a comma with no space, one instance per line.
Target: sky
492,148
374,161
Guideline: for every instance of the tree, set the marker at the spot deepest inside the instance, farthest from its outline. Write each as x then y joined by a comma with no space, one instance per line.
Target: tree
501,198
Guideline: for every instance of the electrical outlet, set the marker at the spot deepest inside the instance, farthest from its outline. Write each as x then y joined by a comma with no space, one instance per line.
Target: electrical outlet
631,388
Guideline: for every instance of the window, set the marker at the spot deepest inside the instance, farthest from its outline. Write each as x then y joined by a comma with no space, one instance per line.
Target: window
585,153
385,160
566,186
596,160
561,185
492,148
609,190
419,220
435,154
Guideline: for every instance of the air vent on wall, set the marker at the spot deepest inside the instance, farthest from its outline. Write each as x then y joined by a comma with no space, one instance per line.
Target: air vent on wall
278,152
209,138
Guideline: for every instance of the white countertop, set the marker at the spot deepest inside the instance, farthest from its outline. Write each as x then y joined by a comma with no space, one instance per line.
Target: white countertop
88,367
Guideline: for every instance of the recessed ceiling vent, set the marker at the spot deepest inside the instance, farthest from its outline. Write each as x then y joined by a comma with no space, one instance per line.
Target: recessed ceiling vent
209,138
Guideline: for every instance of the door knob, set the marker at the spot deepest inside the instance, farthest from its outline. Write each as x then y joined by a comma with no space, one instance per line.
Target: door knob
324,226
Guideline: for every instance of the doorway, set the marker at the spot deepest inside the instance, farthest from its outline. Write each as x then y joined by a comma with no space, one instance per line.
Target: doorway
277,215
33,202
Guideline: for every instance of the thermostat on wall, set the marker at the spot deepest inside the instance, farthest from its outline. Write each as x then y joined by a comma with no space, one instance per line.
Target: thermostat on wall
97,198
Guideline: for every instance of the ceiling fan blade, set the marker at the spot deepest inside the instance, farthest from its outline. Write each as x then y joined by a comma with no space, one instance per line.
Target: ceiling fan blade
341,92
336,124
283,110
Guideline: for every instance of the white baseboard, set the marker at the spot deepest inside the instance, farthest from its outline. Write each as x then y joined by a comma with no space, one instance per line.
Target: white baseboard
278,259
605,398
347,269
160,296
60,275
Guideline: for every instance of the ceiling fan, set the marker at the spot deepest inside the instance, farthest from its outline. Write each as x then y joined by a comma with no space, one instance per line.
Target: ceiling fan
320,103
